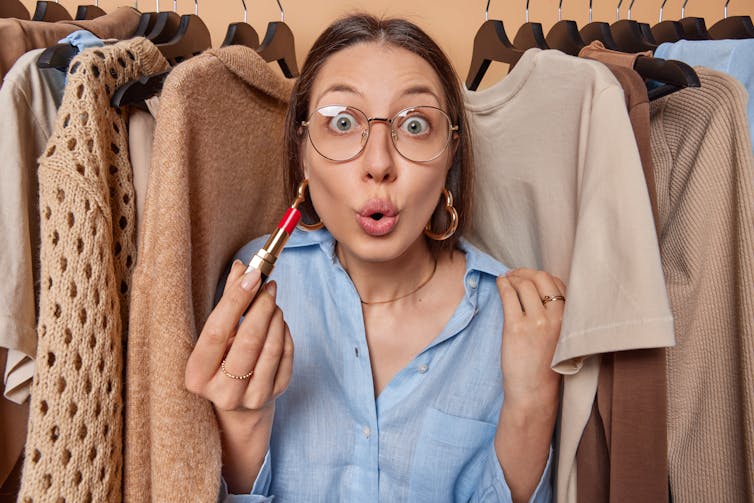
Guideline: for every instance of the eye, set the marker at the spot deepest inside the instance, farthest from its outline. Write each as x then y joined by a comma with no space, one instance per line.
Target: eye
344,122
415,126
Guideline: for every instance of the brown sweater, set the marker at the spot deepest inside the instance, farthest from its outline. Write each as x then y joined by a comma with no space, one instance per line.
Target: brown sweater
215,183
73,449
21,36
704,171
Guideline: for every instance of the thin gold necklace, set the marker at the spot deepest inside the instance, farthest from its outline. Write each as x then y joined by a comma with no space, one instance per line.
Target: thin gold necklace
421,285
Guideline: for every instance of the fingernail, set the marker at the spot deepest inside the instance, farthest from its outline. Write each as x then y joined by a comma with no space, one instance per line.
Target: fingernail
236,262
271,288
250,279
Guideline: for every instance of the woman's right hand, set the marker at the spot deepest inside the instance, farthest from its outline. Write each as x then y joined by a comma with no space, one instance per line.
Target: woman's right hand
261,344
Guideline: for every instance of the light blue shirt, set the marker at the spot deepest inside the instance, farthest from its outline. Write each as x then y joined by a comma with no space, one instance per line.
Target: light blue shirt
734,57
428,437
82,40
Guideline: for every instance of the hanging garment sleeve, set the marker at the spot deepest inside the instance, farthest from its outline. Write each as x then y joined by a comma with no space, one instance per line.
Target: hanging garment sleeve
630,406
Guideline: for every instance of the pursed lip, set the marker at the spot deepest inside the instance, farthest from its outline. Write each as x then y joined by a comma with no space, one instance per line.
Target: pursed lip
387,215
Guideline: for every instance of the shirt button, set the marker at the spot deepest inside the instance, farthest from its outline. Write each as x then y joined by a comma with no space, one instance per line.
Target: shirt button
473,283
366,431
423,369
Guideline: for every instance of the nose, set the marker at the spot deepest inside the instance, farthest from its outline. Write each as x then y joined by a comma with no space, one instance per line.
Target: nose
378,153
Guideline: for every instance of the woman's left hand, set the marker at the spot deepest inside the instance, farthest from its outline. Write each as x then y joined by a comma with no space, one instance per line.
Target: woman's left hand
531,329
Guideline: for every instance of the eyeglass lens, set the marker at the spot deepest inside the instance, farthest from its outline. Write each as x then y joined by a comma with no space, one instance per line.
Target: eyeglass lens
340,132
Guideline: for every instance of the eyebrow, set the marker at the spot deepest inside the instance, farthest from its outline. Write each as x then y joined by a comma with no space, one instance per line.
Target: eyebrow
421,89
413,90
340,88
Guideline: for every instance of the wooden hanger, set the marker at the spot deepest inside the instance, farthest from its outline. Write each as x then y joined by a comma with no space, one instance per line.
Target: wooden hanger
57,56
192,38
646,33
598,30
241,33
675,75
666,31
50,12
136,92
490,44
146,23
628,35
13,9
165,25
694,28
85,12
530,35
279,45
564,35
734,27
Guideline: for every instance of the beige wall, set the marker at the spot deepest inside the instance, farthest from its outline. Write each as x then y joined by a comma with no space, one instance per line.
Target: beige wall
452,23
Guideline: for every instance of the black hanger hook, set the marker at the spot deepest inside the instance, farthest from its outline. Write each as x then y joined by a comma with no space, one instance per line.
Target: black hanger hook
282,12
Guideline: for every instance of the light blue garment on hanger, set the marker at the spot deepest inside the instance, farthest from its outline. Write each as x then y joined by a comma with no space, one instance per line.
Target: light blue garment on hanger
82,39
734,57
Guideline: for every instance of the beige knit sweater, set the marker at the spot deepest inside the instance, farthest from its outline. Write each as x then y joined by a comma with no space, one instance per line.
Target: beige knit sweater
705,186
215,183
73,449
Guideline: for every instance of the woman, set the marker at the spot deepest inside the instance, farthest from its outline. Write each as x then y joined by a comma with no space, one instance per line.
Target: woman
397,390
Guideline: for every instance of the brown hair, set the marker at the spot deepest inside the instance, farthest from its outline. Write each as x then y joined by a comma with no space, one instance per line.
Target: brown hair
361,28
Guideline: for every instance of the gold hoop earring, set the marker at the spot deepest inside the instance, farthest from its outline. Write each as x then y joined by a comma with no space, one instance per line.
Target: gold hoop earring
453,220
300,198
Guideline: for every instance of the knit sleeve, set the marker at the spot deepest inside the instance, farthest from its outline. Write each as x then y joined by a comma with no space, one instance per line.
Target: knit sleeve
74,445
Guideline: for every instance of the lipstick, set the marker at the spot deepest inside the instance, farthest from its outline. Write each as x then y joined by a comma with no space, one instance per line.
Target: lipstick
265,258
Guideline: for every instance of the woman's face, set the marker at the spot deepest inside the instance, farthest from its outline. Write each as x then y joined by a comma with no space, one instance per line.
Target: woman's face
377,204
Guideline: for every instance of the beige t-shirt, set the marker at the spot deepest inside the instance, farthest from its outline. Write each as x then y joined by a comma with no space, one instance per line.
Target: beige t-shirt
141,126
559,186
29,99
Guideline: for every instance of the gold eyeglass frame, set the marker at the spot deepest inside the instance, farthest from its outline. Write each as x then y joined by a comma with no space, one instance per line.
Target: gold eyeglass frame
453,129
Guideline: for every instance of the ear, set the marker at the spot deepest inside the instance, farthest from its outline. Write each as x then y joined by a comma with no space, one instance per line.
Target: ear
455,142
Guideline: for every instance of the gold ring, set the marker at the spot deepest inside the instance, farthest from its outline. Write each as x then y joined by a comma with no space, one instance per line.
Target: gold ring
550,298
233,376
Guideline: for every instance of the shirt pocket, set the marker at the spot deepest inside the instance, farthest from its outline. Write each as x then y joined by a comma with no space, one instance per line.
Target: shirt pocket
449,456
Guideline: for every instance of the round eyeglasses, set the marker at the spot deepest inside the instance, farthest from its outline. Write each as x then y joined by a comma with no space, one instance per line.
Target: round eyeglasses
340,133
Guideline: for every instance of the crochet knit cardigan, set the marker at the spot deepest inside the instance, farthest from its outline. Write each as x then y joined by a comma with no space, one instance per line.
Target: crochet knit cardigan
74,444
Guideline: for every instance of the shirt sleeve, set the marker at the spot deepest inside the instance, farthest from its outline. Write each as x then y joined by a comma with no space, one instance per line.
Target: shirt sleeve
494,488
259,491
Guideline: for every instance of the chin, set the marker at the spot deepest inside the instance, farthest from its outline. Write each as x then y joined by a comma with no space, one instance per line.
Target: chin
389,247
